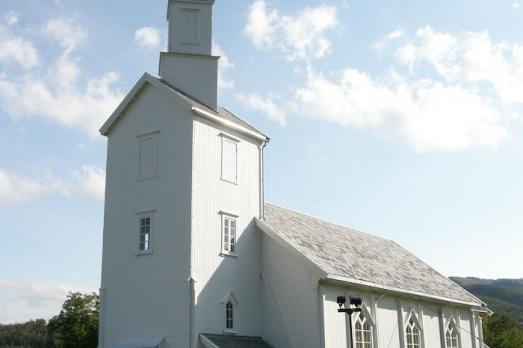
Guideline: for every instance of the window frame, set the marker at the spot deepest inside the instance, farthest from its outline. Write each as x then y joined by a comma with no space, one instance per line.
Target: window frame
154,135
415,330
227,138
453,330
184,39
358,321
226,246
229,298
139,217
229,315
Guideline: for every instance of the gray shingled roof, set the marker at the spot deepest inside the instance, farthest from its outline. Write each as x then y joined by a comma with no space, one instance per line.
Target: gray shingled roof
221,112
347,253
230,341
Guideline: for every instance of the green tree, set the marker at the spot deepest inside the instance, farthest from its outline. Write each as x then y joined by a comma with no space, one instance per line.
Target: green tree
501,331
77,324
32,334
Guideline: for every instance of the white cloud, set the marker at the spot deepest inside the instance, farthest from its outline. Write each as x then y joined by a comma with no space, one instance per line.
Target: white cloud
471,58
264,105
58,94
460,91
148,37
224,64
19,51
65,31
394,35
428,115
11,18
15,189
22,301
515,5
301,37
89,182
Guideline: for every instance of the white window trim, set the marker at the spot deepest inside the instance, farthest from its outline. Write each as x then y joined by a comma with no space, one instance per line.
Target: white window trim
225,137
369,318
229,216
145,214
414,316
452,321
142,137
229,297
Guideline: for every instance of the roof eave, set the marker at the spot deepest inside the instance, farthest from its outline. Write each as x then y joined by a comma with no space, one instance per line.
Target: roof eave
336,279
231,125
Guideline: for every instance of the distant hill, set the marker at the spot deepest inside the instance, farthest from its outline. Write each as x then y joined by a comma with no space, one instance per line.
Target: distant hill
503,296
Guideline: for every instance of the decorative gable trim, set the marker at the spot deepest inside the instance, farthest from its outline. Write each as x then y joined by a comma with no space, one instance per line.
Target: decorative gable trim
131,96
229,296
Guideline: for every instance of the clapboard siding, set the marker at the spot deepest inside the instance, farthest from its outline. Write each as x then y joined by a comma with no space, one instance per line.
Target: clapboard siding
217,274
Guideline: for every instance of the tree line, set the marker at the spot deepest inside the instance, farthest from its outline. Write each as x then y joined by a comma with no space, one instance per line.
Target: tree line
75,327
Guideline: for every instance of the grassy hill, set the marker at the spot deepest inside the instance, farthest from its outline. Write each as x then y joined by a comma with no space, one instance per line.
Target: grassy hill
503,296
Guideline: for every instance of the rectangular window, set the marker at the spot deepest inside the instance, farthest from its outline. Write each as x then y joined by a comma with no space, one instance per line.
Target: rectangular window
148,156
190,26
145,230
228,234
229,160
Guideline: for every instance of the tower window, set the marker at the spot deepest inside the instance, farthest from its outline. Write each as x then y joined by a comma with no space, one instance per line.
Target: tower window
229,159
145,224
190,26
363,332
413,334
229,316
228,234
148,156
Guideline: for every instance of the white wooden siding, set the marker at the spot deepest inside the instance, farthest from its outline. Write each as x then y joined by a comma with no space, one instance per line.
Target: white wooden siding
159,277
218,274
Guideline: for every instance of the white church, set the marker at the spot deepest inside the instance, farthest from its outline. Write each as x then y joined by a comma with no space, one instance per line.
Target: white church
193,257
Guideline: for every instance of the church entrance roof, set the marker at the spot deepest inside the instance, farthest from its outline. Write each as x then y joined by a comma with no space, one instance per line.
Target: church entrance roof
232,341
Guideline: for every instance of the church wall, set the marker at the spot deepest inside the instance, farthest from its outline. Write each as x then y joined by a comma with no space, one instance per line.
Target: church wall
291,300
336,333
218,275
147,295
390,313
387,322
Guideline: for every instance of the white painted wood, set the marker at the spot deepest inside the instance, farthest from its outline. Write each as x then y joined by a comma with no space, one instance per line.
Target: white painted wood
148,296
218,273
190,167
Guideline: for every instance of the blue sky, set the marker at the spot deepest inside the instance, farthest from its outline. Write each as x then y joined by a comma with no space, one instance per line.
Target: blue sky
398,118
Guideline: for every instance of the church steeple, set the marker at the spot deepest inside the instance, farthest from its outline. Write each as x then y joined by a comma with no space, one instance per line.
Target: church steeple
188,63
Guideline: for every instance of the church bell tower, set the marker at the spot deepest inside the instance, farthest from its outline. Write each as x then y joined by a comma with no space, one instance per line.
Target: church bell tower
188,64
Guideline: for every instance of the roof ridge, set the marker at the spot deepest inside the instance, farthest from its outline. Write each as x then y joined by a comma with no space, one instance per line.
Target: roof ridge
330,222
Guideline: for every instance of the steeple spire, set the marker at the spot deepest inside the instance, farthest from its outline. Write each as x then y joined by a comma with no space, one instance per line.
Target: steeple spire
188,63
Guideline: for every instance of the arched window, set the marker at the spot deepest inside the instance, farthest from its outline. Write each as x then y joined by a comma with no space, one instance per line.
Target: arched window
363,332
229,315
451,335
413,334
